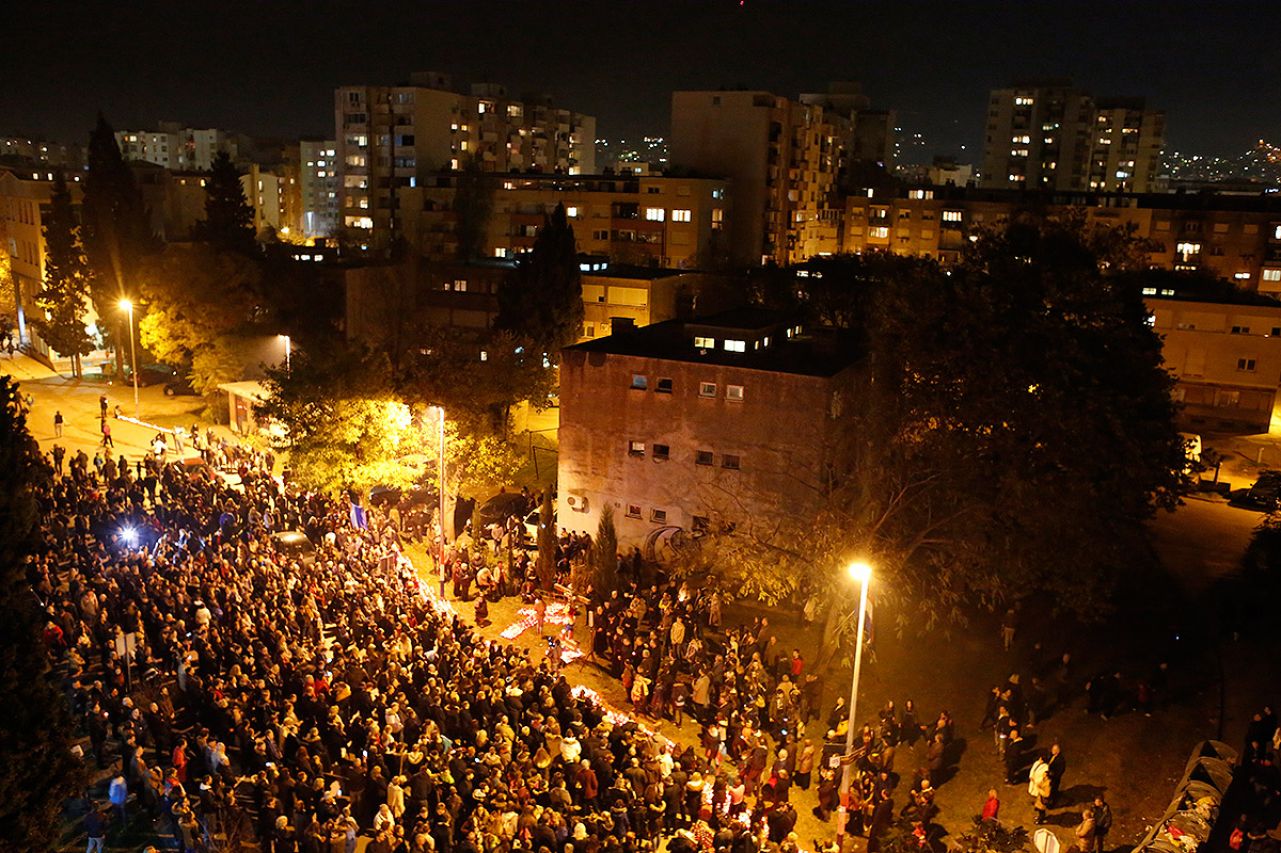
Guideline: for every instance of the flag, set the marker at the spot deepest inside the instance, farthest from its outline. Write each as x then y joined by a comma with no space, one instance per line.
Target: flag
358,518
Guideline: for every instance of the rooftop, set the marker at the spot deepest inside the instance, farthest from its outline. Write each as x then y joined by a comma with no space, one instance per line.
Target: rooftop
823,352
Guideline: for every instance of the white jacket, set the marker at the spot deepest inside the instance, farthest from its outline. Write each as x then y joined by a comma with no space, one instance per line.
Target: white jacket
1038,781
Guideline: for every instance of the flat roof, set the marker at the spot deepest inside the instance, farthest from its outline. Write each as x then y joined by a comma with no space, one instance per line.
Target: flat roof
823,353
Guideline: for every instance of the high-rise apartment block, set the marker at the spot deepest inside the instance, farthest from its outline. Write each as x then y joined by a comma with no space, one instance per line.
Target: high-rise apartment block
391,137
182,149
318,175
1052,135
783,158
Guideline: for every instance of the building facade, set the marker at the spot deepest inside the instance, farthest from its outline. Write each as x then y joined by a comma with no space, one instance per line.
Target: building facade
1051,135
318,177
648,220
696,425
1226,356
388,138
182,149
1233,237
783,158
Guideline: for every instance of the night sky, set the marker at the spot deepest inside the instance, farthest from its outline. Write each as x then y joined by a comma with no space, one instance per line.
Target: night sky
269,68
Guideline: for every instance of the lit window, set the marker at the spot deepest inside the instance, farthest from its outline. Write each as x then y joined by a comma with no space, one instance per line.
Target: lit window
460,284
500,252
655,214
681,216
710,343
571,212
1241,276
734,393
1276,234
732,345
1024,102
1187,251
639,382
636,448
707,389
879,231
731,461
703,457
1272,275
484,355
952,215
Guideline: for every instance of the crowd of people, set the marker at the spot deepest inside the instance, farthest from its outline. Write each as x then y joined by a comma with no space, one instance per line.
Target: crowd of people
240,691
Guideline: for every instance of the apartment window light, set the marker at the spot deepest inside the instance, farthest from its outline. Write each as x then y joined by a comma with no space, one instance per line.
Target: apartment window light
710,343
571,212
640,382
656,214
952,215
732,345
682,215
1272,275
636,448
734,393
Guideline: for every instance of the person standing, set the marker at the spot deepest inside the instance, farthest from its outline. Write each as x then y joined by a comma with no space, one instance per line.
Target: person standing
991,806
1102,813
1057,764
118,793
1038,788
96,829
106,435
1008,627
102,406
1085,839
57,424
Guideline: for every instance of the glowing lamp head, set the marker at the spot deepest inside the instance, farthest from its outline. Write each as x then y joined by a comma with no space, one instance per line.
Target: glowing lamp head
129,535
860,570
126,305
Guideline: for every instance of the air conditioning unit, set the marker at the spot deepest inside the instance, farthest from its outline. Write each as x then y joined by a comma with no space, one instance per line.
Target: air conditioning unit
576,503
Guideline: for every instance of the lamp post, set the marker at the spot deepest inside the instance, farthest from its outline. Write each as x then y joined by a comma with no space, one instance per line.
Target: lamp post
288,351
440,476
127,305
861,571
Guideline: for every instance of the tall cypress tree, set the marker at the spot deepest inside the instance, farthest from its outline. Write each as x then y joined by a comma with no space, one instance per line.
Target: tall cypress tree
37,770
542,299
66,281
229,219
115,231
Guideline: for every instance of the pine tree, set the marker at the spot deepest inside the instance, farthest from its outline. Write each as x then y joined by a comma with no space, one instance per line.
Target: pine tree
37,769
66,281
473,206
229,219
115,231
543,297
605,554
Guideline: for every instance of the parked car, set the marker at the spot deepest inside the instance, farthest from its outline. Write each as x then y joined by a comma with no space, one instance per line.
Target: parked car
179,386
295,544
1265,494
503,506
533,520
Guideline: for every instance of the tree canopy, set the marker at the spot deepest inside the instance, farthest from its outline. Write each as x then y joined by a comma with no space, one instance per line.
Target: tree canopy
542,299
473,206
229,219
37,769
114,228
65,291
1010,430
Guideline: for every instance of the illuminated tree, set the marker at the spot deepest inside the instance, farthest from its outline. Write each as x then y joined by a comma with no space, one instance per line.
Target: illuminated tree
63,297
604,554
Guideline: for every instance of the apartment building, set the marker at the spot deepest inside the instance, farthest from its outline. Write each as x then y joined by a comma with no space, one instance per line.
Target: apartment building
276,197
318,180
645,220
25,195
697,425
1226,356
389,138
181,149
784,159
41,152
1233,237
1052,135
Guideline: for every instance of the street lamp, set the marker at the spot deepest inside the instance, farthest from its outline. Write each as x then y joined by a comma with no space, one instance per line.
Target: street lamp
861,572
440,477
288,350
127,305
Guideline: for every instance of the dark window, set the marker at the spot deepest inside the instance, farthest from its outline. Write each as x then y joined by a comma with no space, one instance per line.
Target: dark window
730,460
633,511
662,451
664,386
703,457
